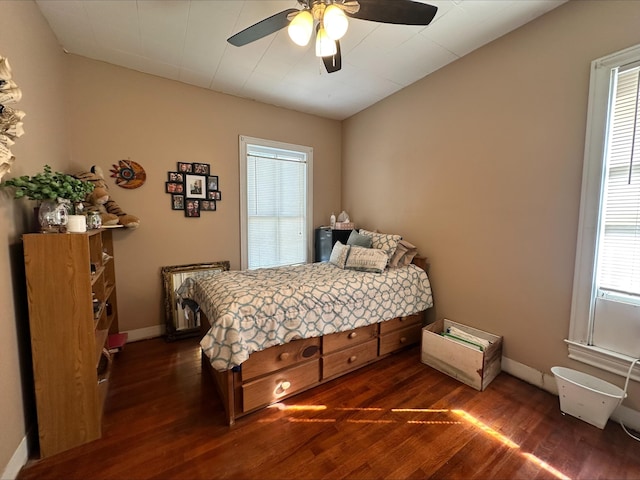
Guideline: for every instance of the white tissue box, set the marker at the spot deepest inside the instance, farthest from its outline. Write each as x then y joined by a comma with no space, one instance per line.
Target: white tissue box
459,360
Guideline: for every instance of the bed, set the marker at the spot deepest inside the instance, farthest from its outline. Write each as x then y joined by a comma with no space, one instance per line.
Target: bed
275,332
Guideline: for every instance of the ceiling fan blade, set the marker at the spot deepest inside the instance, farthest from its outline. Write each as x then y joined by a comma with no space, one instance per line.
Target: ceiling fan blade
334,62
401,12
261,29
349,6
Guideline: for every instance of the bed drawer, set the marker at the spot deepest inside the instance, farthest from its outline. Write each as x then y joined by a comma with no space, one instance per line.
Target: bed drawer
269,389
281,356
400,338
337,341
349,358
401,322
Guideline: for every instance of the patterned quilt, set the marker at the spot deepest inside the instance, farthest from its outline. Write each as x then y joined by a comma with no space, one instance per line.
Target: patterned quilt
252,310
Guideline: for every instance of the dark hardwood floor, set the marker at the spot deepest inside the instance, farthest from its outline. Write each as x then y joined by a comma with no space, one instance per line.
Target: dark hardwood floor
395,419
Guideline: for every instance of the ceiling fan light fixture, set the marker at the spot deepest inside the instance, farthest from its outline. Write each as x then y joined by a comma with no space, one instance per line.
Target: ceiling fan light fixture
335,22
328,19
301,28
325,46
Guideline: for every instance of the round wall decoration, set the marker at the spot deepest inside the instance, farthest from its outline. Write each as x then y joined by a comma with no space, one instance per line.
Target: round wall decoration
128,174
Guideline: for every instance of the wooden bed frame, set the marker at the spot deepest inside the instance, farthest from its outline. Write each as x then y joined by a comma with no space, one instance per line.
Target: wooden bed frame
281,371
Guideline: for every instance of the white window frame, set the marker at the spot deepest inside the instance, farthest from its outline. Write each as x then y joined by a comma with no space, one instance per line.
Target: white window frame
584,286
244,142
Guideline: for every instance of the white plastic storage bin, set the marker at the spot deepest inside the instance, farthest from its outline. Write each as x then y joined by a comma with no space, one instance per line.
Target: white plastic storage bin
586,397
462,362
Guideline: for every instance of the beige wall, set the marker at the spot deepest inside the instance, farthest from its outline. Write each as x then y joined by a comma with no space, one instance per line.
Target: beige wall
38,69
480,166
111,113
117,113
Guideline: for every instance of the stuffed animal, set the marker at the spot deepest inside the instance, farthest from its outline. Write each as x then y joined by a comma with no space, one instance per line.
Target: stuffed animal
100,200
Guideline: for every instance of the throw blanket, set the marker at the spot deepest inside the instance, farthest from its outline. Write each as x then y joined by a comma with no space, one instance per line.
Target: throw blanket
252,310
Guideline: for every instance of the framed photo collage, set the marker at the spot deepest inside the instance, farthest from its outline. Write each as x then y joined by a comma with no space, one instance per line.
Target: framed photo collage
193,189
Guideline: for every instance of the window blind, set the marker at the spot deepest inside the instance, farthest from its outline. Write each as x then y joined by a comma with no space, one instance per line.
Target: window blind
618,268
276,207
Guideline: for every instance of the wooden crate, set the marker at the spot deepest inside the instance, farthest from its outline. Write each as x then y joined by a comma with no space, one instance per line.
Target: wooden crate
462,362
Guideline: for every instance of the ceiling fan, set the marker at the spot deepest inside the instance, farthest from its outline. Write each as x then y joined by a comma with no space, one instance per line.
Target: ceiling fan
331,23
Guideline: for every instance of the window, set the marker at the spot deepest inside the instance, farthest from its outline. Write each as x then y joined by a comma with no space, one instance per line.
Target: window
605,315
275,203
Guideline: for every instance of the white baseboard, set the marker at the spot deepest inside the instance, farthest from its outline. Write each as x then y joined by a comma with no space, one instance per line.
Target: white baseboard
622,414
144,333
627,416
18,460
530,375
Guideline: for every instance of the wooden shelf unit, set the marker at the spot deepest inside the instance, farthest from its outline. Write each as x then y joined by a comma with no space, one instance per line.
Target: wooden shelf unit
65,272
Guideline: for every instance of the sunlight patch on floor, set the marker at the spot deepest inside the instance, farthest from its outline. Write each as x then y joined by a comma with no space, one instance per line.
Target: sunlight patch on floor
421,410
351,420
432,422
498,436
464,416
485,428
358,409
312,420
299,408
546,466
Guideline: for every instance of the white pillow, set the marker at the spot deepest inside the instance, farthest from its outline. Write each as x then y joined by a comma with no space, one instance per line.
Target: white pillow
339,254
386,242
366,259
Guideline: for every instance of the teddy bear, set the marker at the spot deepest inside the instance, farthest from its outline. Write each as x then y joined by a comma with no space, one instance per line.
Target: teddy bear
100,200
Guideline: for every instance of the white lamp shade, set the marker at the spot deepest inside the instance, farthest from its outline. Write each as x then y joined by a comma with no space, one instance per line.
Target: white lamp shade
335,22
301,28
325,47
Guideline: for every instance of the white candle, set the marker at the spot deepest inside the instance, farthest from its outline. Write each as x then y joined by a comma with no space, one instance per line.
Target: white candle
77,223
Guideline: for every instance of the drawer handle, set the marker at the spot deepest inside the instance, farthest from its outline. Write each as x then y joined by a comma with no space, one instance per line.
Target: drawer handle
283,356
283,386
310,351
352,358
353,334
403,339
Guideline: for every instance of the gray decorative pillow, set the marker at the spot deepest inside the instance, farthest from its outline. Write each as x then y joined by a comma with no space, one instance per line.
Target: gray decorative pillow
359,239
366,259
383,241
339,254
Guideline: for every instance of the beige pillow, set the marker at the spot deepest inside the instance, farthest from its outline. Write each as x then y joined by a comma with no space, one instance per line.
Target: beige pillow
339,254
403,255
366,259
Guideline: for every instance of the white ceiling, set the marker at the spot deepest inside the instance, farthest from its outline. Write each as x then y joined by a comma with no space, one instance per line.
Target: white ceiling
185,40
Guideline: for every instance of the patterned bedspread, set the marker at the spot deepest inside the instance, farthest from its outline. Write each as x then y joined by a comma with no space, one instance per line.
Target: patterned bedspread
255,309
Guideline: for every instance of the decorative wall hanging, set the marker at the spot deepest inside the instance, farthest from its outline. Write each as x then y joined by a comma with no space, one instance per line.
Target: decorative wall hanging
193,189
10,119
128,174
